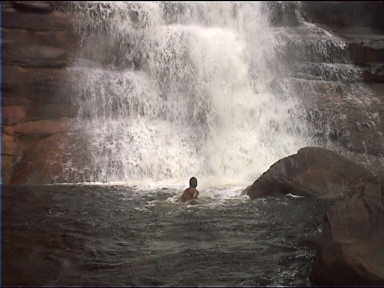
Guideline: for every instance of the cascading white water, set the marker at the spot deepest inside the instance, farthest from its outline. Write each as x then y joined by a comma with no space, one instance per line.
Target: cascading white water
182,89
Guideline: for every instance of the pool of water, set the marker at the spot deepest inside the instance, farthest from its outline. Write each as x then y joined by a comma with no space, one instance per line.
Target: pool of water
119,235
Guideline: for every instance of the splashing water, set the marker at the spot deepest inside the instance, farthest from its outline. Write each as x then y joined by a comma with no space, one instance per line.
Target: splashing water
182,89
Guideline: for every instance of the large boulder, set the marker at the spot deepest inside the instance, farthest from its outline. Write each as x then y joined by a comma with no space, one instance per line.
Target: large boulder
313,171
351,249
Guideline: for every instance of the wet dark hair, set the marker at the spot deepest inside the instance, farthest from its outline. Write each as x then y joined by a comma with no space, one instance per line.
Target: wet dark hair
193,182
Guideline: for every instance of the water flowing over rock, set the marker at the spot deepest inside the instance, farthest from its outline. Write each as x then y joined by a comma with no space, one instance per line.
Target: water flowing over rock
194,78
251,81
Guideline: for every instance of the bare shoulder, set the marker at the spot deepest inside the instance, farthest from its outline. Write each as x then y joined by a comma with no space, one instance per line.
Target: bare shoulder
187,195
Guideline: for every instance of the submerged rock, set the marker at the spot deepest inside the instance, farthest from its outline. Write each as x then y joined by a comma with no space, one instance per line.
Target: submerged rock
313,171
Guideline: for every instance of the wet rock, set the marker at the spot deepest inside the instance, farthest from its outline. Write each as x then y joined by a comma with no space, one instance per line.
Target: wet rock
38,86
9,100
350,251
374,73
336,81
58,39
366,50
35,56
282,13
11,152
54,159
14,114
41,128
338,15
33,6
7,164
55,21
51,111
314,172
346,114
11,145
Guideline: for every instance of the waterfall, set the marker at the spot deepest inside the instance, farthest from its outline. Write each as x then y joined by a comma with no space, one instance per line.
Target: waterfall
169,90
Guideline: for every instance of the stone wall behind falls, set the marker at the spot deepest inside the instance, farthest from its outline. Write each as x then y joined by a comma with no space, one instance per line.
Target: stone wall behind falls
39,42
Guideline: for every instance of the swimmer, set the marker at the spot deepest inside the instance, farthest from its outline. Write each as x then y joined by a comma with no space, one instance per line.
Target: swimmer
191,192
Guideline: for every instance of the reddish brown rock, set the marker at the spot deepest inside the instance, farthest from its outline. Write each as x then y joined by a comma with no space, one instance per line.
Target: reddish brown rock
14,114
41,127
313,171
11,100
58,39
55,159
50,111
39,86
55,21
11,145
33,6
7,163
35,56
12,150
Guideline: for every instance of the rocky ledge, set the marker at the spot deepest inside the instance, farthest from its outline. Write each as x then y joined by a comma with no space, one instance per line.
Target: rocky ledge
350,250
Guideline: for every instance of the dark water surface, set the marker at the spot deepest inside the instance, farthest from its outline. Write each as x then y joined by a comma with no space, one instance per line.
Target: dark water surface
116,235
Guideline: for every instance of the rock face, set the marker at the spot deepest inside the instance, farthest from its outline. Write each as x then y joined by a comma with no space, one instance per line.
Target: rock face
350,250
38,6
336,71
35,56
38,44
339,15
313,171
40,128
56,158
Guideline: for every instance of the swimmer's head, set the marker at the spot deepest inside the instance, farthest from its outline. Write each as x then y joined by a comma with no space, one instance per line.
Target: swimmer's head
193,182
